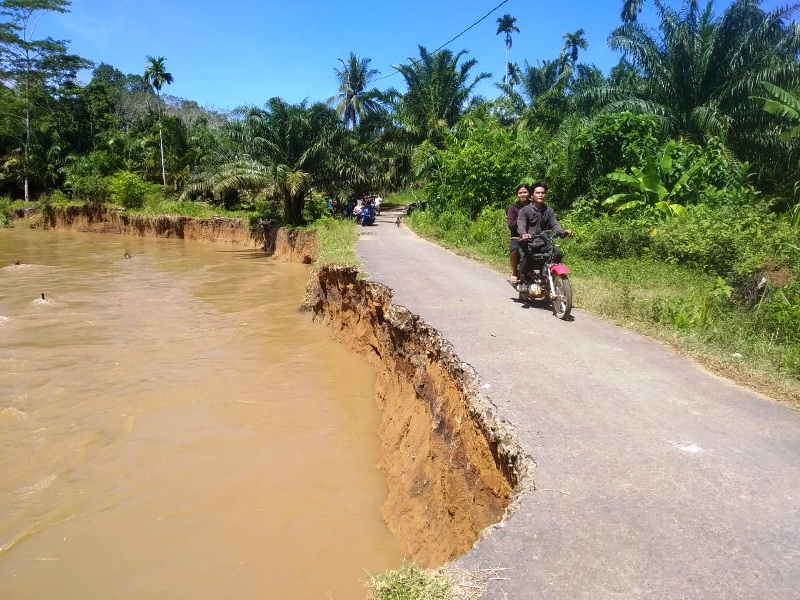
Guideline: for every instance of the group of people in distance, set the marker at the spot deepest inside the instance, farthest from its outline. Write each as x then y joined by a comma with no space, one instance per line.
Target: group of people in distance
527,217
361,210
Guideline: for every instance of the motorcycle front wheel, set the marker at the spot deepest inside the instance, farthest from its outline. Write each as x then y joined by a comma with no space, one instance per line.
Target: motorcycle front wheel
562,298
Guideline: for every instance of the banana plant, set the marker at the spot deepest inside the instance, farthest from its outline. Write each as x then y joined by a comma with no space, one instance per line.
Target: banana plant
783,104
648,187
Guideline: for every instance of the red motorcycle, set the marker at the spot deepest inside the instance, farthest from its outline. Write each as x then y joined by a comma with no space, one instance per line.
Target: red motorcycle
541,277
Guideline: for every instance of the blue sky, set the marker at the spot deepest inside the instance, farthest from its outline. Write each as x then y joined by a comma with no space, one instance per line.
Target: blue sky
240,52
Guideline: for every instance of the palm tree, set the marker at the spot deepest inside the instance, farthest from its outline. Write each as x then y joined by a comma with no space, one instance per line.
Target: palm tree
630,10
282,150
698,74
572,42
786,106
353,101
438,91
541,100
505,24
156,75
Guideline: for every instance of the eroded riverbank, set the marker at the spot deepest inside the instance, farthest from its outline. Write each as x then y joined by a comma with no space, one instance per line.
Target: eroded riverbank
451,466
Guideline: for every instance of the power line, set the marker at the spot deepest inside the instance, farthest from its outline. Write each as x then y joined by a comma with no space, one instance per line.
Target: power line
450,40
471,26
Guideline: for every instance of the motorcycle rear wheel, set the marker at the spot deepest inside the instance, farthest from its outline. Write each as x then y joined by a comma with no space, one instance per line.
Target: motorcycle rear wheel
562,299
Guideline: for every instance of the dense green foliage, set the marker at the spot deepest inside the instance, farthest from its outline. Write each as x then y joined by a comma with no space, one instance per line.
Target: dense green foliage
478,169
686,153
129,189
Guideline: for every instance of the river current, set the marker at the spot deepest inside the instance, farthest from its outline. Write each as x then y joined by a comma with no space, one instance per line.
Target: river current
173,426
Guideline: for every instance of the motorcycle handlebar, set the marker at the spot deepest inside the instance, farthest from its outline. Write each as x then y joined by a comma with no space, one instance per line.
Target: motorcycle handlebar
548,234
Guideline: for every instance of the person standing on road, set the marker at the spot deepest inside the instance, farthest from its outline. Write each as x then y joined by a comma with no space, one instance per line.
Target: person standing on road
512,213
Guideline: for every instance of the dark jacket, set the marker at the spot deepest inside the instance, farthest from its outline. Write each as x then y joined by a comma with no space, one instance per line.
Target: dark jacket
530,220
512,212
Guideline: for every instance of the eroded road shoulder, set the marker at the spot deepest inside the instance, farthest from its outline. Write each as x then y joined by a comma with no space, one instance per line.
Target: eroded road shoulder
653,477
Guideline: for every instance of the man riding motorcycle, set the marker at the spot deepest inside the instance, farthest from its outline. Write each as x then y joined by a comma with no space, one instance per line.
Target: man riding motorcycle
534,219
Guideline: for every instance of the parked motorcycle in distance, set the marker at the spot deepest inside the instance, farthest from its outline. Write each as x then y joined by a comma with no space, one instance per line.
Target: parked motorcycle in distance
367,215
543,278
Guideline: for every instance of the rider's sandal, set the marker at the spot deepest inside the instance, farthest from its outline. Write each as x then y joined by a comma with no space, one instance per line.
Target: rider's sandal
513,281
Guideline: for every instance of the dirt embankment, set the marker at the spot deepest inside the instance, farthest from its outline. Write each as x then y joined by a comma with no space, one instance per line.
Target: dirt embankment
450,464
286,245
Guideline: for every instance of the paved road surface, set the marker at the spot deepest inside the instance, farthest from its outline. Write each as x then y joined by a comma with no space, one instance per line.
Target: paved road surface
654,478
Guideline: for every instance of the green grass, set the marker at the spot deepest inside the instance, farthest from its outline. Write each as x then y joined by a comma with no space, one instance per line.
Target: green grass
685,308
409,583
337,242
688,309
200,210
399,199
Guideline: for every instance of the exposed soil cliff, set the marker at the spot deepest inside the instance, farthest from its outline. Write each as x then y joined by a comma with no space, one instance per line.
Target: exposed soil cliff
286,244
450,464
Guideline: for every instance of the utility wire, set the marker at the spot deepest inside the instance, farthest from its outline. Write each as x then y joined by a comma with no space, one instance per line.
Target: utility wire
471,26
448,41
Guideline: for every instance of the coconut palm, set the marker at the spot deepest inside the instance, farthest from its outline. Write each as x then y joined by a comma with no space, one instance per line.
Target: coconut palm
156,75
439,89
505,24
353,101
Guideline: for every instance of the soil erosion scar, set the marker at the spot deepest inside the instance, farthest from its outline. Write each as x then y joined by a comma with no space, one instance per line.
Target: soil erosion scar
450,464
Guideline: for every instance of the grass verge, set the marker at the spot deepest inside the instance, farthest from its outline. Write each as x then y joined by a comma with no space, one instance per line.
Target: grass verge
411,582
337,242
685,309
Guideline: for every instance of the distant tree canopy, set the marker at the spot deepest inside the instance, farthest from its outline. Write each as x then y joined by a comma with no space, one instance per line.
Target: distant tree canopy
697,79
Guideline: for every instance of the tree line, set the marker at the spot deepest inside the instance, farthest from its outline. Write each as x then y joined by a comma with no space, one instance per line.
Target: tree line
680,120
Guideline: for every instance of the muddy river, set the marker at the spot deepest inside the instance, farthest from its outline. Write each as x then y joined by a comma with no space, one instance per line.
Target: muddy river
172,426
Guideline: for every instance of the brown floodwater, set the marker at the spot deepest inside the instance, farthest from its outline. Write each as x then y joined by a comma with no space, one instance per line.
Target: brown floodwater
172,426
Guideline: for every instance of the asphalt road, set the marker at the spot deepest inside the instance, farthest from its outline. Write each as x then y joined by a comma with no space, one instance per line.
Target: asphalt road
653,477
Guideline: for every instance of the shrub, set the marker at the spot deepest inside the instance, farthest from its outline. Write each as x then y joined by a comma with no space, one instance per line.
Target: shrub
454,226
613,237
5,211
92,189
489,231
610,142
129,190
54,197
314,208
480,170
267,208
780,312
718,240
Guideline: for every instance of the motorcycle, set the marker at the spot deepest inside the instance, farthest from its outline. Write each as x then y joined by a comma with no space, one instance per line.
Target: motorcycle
367,215
542,278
